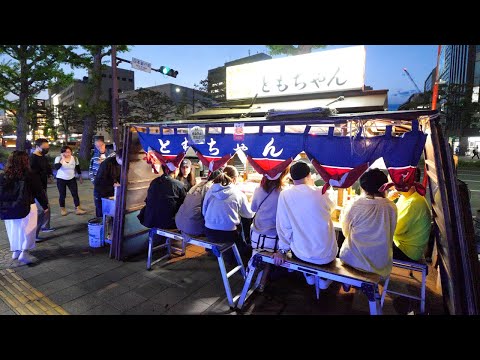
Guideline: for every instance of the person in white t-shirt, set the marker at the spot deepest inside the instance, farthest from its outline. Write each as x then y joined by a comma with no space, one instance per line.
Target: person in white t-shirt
304,223
66,165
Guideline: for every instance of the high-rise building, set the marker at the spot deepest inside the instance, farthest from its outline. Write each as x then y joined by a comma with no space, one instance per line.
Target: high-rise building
217,78
460,73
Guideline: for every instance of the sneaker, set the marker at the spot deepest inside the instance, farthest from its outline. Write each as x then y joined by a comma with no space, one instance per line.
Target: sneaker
25,257
16,254
324,283
63,211
80,211
310,279
48,230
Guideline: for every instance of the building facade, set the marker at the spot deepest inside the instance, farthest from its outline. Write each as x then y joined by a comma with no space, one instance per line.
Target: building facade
459,74
77,93
217,78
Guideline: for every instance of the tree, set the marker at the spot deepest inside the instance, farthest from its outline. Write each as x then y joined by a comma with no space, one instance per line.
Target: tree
292,49
70,118
205,99
146,105
28,70
92,61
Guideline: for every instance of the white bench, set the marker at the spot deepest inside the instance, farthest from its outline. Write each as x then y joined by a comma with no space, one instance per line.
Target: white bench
217,249
336,271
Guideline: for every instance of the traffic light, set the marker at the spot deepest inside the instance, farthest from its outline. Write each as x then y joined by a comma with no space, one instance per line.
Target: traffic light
169,72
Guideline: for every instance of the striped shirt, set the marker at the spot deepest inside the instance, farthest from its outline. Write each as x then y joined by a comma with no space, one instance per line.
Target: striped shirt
97,160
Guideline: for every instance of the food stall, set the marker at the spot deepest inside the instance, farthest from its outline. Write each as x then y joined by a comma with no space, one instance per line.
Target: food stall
340,147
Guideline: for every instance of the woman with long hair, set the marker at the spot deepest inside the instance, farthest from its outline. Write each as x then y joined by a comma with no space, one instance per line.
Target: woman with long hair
66,165
21,231
186,174
263,232
223,207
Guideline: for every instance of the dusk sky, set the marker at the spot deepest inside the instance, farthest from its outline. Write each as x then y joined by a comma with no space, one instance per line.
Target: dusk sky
384,64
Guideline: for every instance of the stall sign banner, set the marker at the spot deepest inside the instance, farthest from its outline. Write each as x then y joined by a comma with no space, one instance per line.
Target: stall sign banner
271,153
401,157
169,150
216,150
196,134
317,72
341,160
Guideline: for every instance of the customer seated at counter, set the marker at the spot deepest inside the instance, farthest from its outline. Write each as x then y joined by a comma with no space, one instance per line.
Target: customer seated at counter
263,232
189,218
413,225
368,227
304,223
164,197
223,207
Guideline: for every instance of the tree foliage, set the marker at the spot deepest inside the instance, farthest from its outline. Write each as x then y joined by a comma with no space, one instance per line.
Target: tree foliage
145,105
70,118
26,71
91,60
292,49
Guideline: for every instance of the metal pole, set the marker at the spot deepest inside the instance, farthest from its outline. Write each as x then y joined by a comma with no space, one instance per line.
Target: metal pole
435,86
116,138
193,101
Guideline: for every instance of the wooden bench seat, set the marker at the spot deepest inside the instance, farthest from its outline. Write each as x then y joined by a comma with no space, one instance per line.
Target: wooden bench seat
335,271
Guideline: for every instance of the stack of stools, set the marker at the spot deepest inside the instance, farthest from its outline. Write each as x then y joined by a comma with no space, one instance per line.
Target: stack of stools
420,267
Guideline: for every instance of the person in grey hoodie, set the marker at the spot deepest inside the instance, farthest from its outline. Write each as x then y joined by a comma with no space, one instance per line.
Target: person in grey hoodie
223,207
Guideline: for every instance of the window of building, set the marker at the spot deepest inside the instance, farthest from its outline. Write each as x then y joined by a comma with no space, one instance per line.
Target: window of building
124,79
104,75
130,80
109,76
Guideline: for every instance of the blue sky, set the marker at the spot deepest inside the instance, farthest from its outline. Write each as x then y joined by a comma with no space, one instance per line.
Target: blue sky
384,64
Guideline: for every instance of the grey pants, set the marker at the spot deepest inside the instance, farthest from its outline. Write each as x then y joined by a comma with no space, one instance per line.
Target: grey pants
43,220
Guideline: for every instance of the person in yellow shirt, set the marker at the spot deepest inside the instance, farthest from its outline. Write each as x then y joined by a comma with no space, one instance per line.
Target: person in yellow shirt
413,225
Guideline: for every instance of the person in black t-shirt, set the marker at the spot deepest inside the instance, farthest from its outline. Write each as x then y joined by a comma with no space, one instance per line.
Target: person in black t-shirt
41,166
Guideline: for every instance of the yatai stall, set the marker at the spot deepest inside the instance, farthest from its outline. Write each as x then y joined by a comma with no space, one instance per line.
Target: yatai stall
340,147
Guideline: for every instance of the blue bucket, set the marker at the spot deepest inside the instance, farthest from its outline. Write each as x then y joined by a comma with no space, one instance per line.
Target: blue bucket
95,233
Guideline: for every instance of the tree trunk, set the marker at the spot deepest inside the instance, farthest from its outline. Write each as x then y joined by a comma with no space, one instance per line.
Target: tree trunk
90,120
22,114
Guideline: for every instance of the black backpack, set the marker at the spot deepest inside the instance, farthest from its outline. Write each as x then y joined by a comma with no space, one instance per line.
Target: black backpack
14,199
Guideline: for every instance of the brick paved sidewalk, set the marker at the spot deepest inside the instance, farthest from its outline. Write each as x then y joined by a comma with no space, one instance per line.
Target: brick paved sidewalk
69,277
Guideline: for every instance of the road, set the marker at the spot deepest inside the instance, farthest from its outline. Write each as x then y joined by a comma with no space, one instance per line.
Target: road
472,178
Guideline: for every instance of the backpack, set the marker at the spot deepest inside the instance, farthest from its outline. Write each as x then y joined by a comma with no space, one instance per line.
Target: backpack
14,199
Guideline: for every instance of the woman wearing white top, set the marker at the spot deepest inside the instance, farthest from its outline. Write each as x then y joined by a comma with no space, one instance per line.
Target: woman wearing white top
66,165
368,228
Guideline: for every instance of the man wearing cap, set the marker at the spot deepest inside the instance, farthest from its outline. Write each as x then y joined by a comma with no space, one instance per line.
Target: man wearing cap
304,223
100,154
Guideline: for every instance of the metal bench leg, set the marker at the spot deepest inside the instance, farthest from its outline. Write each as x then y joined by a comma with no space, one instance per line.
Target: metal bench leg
150,245
317,288
422,301
239,260
384,292
375,307
246,286
226,284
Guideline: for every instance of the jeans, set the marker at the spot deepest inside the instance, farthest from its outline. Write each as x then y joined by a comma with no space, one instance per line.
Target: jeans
62,189
43,220
98,205
222,237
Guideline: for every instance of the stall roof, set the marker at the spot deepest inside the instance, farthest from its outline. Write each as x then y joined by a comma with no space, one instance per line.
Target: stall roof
371,102
295,117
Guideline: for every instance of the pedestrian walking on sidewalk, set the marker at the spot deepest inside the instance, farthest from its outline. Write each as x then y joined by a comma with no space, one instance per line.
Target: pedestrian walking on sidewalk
20,189
66,165
475,153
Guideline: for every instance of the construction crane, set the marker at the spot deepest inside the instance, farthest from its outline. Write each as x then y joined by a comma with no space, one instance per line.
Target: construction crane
408,74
